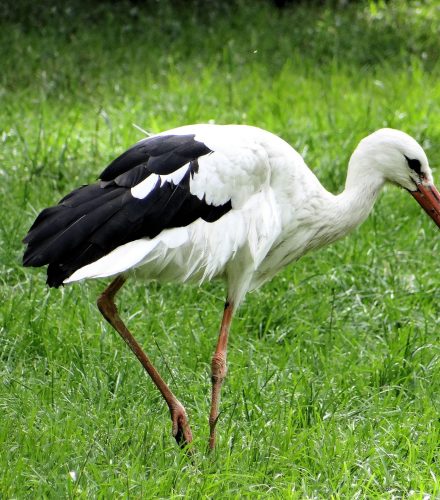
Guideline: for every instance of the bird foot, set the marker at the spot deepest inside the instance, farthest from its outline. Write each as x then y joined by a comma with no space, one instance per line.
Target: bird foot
181,429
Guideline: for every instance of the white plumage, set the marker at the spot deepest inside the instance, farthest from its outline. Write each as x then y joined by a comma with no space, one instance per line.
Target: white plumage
279,212
207,201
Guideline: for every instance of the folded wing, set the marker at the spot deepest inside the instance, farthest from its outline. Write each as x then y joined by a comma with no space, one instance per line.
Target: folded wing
163,182
141,193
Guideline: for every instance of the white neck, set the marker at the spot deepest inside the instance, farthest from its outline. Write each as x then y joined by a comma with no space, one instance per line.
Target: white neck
329,218
350,208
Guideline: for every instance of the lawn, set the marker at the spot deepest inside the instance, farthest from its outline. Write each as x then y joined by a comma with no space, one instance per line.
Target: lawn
334,367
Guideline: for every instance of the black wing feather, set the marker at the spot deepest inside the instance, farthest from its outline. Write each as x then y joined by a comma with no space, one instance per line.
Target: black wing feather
133,177
93,220
158,153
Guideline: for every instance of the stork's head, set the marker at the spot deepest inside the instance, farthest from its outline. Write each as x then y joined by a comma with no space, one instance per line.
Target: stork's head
392,156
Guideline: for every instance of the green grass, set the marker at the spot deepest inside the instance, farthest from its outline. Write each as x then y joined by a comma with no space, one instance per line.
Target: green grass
334,371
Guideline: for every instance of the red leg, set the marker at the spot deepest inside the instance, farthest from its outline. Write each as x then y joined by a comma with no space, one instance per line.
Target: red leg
106,304
218,370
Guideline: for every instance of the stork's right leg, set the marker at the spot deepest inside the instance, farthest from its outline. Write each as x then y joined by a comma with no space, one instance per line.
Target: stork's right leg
218,370
106,304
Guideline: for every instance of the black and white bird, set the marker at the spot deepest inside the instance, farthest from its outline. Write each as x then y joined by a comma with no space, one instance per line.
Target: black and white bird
213,201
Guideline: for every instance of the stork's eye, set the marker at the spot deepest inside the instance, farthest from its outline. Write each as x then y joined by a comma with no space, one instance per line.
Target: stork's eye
414,165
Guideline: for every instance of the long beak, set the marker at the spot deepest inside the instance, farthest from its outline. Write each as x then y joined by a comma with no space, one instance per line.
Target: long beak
429,198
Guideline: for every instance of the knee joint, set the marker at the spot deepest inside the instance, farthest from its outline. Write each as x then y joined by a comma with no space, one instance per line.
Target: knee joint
218,367
105,306
102,302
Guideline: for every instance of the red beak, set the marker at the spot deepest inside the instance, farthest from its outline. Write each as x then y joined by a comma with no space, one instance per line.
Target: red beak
429,198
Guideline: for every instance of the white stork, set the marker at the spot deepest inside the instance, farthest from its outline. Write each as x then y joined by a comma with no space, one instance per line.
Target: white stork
209,201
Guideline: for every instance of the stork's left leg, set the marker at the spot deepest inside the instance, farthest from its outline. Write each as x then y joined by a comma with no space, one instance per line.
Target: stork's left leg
107,306
218,370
